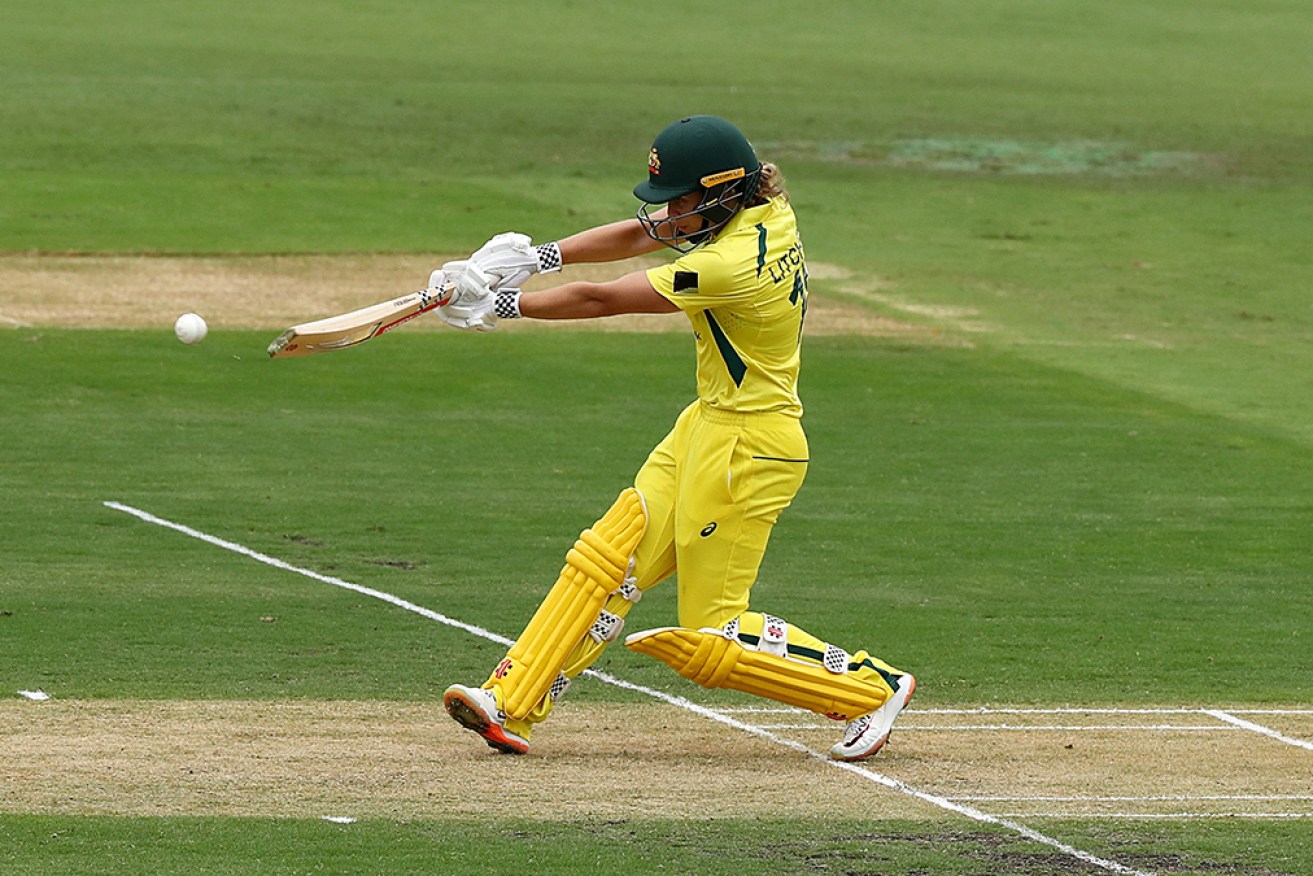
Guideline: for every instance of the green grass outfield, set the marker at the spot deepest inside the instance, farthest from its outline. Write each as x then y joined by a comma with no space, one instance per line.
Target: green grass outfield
718,848
1098,494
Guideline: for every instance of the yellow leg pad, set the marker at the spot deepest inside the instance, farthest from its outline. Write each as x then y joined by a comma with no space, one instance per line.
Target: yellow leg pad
711,660
594,567
582,655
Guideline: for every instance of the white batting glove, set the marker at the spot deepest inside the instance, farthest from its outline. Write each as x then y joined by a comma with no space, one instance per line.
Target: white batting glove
439,279
483,316
513,258
470,319
473,301
510,253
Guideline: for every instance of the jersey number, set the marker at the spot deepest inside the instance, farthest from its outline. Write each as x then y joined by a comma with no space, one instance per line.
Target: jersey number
798,296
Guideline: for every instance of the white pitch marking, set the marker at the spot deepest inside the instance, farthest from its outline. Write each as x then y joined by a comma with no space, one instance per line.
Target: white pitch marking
857,769
36,696
16,323
1164,798
1066,728
989,710
1258,728
1156,815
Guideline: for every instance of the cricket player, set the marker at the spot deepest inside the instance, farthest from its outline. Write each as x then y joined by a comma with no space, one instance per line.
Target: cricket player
703,504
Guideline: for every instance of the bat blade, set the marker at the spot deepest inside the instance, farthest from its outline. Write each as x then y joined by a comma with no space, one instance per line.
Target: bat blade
356,327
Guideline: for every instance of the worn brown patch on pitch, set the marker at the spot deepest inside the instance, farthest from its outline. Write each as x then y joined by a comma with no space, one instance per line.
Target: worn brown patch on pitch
404,760
273,292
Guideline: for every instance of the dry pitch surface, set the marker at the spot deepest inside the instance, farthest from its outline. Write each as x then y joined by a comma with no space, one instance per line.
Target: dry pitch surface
408,760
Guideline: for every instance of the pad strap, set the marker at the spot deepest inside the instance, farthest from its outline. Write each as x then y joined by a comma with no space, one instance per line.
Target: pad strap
607,627
710,658
774,636
628,590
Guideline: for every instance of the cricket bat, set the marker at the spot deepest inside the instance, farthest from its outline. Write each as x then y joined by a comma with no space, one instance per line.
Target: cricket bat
356,327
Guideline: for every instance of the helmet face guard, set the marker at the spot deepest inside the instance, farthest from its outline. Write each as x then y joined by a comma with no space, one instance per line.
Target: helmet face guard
702,154
723,195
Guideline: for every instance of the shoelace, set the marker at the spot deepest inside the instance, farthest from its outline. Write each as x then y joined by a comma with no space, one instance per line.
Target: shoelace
856,728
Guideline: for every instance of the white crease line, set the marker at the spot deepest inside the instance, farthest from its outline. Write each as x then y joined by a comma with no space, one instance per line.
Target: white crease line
1161,798
1066,728
16,323
857,769
989,710
1258,728
1144,816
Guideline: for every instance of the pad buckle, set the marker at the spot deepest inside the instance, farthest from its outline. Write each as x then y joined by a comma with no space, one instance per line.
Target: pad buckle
836,659
606,628
629,591
774,636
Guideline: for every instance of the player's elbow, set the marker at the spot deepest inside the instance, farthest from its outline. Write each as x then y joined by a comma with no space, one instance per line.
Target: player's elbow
598,299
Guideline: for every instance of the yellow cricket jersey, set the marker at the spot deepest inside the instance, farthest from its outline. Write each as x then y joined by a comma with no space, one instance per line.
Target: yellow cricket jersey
745,293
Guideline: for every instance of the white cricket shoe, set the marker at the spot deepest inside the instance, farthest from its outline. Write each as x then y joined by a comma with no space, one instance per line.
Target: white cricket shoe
475,708
868,734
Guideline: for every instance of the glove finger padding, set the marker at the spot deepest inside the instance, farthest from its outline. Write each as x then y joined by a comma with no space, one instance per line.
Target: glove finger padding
506,242
511,282
473,285
507,255
477,319
471,307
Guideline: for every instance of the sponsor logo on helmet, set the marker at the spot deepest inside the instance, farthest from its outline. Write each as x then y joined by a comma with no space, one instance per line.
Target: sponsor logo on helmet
654,162
715,179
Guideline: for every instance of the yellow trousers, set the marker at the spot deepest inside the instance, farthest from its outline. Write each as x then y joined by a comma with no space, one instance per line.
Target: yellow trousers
714,488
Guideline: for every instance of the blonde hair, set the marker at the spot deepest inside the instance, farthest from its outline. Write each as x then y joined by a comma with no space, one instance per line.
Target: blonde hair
770,186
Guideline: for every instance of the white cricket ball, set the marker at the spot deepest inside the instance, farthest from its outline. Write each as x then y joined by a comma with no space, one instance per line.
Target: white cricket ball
190,328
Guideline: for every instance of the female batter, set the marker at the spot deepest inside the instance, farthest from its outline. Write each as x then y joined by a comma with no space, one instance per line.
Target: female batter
703,504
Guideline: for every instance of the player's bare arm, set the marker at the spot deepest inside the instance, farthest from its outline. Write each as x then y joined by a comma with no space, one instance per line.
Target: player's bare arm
630,237
632,293
607,243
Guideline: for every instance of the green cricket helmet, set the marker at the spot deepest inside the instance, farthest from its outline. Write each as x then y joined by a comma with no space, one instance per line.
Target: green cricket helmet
698,153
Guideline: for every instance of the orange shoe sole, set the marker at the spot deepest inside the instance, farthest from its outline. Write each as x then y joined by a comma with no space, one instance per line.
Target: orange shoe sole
471,717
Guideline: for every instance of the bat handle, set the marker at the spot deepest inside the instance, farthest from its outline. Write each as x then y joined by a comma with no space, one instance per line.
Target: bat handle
439,297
